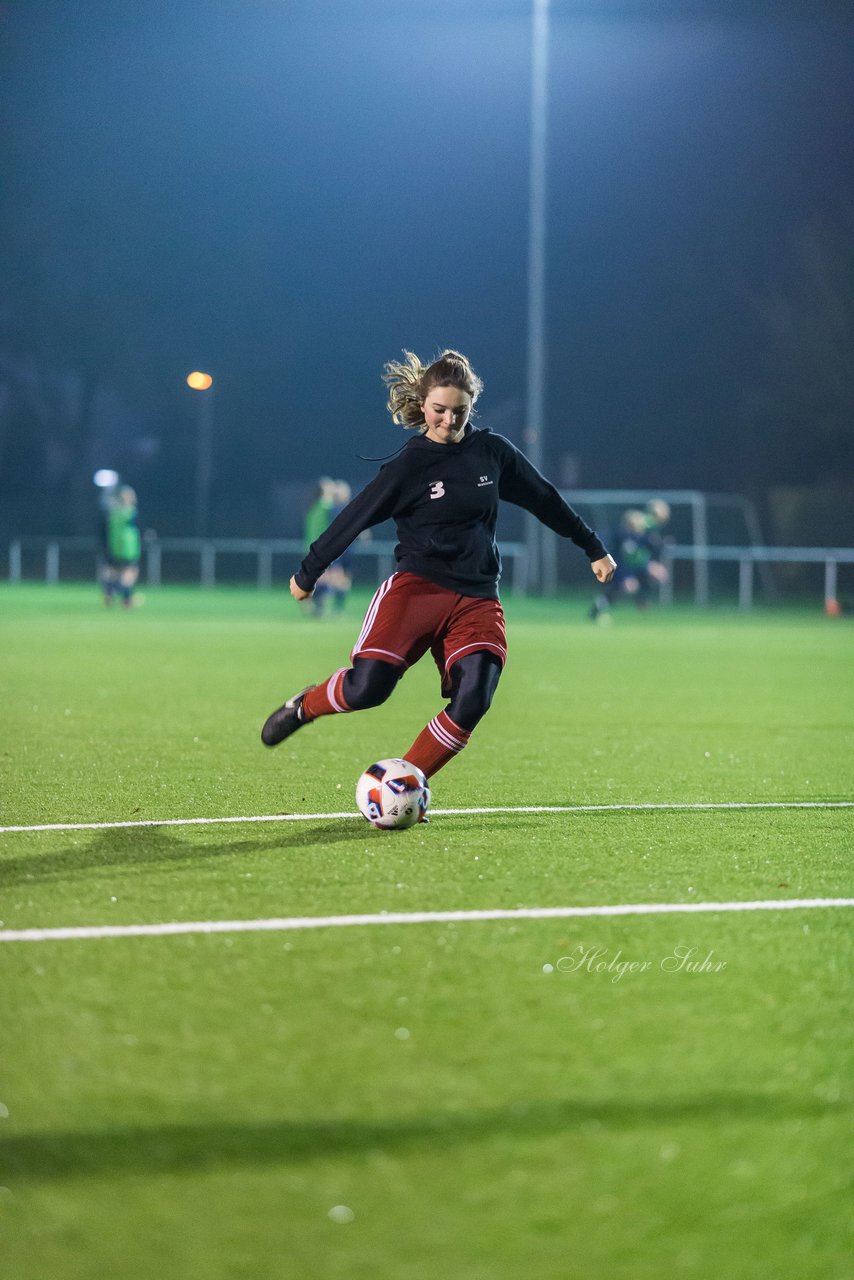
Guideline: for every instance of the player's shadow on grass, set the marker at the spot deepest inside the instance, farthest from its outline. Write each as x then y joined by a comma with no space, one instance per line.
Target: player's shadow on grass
120,848
125,847
176,1147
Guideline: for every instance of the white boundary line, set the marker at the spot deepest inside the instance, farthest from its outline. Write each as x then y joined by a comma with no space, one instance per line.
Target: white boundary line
439,813
407,917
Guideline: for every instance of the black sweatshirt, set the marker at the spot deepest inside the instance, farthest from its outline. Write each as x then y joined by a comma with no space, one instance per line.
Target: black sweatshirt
444,500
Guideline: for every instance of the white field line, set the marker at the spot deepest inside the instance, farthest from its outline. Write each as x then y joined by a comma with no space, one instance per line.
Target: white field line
286,924
439,813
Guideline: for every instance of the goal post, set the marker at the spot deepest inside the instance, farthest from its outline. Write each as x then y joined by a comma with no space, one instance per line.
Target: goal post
695,516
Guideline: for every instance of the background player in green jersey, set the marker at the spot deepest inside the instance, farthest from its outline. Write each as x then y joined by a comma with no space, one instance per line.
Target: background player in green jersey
124,548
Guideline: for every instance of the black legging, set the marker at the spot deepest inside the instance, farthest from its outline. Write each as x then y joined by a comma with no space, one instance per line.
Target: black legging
474,679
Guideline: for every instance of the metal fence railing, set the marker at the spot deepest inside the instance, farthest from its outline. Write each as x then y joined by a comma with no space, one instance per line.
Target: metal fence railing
166,559
747,558
208,554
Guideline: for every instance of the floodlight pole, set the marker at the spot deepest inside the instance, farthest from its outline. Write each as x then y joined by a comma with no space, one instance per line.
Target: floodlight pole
202,384
535,399
204,462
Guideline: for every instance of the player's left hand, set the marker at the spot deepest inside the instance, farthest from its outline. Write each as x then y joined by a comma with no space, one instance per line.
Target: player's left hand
604,568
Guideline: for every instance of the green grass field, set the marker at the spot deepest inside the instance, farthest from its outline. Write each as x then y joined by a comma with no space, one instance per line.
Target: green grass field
411,1101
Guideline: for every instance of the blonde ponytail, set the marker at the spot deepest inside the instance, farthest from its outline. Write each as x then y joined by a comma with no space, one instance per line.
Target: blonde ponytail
404,390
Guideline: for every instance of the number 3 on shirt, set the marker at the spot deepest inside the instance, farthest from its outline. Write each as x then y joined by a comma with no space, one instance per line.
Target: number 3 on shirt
437,489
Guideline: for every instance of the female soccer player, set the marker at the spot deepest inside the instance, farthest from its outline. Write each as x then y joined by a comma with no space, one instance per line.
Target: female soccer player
442,490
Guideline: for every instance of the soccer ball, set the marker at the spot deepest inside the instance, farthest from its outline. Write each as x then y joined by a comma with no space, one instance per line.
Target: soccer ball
393,794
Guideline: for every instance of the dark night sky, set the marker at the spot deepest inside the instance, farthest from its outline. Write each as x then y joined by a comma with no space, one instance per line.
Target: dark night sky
289,193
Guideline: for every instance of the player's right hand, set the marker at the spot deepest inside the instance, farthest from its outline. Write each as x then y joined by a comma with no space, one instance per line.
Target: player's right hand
297,591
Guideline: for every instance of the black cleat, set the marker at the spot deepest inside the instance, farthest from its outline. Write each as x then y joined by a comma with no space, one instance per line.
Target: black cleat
285,721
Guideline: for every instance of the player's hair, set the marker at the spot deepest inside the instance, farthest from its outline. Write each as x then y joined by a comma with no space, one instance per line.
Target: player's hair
410,381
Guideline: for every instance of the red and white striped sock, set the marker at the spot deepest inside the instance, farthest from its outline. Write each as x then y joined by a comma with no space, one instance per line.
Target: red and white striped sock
437,743
326,699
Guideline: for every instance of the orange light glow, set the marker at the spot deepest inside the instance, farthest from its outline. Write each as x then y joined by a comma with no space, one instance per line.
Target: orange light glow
199,381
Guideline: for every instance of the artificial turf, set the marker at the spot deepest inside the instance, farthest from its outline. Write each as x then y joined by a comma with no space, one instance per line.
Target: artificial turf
468,1099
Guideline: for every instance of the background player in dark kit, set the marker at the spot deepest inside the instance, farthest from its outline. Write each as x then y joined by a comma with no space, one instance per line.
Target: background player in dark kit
640,546
442,490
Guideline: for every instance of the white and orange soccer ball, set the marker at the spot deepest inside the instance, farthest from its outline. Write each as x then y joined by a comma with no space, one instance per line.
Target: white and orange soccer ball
393,794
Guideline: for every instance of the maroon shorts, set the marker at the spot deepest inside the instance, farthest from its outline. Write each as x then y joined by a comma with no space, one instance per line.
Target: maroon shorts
409,615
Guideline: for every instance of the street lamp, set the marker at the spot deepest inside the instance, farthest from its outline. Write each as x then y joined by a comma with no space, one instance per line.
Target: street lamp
203,382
